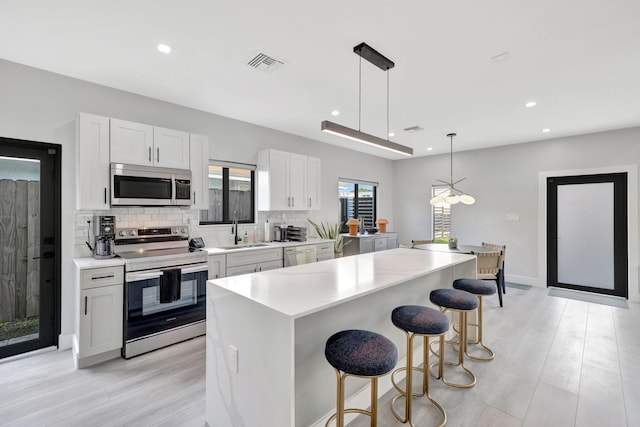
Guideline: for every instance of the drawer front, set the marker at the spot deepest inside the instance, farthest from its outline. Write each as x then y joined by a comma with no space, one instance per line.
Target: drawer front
104,276
254,257
380,244
270,265
324,248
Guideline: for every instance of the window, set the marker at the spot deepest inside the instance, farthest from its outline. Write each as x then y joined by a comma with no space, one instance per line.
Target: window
357,200
231,193
441,214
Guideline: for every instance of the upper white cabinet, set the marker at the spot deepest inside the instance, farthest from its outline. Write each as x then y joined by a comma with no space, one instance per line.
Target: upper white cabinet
141,144
92,162
283,181
199,147
313,183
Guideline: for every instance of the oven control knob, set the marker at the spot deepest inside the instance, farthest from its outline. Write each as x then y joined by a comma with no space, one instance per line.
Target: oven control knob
121,233
183,230
132,233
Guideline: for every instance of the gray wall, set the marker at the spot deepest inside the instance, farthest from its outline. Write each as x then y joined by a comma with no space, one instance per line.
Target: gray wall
506,180
42,106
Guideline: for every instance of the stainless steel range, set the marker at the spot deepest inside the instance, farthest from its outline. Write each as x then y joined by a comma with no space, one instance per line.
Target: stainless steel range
165,288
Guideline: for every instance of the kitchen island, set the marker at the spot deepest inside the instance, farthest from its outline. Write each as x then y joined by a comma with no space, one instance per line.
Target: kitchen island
266,331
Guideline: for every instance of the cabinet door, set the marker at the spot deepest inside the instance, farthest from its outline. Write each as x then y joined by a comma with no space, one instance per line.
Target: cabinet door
92,162
297,182
313,183
269,265
273,181
100,320
217,266
131,143
392,242
199,161
379,244
366,245
170,148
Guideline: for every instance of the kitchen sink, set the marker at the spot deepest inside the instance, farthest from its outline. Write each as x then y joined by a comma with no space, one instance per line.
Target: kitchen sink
248,246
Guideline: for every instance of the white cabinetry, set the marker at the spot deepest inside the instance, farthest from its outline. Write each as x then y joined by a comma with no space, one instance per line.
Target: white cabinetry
324,251
141,144
99,315
217,266
199,161
92,162
283,181
253,261
313,183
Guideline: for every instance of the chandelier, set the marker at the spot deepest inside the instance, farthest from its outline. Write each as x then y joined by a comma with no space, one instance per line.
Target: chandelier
452,195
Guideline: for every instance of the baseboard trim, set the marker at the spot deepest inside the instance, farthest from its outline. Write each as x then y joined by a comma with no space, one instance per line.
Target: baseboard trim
524,280
65,341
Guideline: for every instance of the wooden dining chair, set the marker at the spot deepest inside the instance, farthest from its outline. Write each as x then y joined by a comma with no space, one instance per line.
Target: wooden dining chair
420,242
503,248
488,268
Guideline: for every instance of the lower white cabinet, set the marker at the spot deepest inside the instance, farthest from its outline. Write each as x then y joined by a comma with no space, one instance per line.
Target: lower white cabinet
363,244
99,315
253,261
217,266
324,251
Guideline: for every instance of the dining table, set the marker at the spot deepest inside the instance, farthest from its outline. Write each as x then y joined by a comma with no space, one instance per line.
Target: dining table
459,249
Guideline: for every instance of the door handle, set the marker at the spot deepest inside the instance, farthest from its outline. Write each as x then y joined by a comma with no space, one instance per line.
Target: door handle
46,255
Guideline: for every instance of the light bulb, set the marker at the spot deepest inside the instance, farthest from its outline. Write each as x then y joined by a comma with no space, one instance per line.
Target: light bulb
467,199
435,201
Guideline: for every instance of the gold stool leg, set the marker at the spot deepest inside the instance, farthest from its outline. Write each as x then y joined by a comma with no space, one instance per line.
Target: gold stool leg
462,316
408,393
479,342
338,416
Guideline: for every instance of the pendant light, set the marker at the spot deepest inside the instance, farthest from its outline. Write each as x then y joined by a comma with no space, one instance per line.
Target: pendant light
452,195
365,51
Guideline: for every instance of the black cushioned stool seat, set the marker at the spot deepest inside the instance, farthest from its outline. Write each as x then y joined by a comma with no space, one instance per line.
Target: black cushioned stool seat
463,302
359,353
416,320
479,288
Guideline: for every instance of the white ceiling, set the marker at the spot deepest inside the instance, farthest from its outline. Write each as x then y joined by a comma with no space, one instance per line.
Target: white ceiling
578,59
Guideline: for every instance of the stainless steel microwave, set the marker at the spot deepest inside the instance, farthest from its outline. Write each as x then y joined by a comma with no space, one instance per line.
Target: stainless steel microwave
135,185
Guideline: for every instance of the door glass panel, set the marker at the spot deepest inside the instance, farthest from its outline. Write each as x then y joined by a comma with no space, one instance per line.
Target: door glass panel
19,245
585,235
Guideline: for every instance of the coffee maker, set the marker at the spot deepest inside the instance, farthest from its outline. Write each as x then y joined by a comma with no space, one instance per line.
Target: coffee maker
104,231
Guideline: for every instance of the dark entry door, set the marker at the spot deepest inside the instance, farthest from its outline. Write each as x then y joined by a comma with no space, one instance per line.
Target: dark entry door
587,233
29,246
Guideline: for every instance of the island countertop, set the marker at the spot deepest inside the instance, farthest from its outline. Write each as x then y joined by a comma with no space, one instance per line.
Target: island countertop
305,289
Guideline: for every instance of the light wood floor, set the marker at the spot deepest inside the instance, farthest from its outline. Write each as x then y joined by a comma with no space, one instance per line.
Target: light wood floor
560,362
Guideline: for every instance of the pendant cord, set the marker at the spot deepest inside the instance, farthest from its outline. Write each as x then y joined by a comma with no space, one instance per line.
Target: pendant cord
360,93
387,105
451,177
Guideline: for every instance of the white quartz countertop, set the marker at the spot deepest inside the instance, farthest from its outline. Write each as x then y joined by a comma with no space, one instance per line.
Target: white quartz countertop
217,250
84,263
304,289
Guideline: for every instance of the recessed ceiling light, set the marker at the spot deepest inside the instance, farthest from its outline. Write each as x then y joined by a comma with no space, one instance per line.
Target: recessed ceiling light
391,134
335,113
530,104
430,148
164,48
546,130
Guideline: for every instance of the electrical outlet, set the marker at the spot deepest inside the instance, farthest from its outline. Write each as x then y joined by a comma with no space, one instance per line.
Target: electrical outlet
233,357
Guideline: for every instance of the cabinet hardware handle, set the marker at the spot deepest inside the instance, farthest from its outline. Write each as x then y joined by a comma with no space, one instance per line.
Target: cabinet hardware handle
194,197
158,155
105,195
85,305
106,276
293,203
149,154
309,201
289,202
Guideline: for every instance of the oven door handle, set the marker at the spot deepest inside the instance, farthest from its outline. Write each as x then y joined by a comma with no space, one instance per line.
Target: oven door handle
152,274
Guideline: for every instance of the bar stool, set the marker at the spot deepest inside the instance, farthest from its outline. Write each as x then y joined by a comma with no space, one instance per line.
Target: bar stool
415,320
479,288
363,354
462,302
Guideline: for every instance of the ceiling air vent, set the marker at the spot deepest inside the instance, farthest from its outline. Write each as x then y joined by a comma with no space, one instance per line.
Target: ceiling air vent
413,129
264,62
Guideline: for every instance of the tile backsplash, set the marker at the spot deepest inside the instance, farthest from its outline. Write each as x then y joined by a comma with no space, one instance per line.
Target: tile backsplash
213,235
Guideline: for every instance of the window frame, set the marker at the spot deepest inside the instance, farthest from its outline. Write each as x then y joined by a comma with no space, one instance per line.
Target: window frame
356,183
445,234
226,191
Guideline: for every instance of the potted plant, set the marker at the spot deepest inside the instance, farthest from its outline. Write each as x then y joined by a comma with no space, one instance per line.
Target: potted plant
328,231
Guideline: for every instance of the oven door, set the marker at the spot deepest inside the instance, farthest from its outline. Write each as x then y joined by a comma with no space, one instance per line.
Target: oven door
144,313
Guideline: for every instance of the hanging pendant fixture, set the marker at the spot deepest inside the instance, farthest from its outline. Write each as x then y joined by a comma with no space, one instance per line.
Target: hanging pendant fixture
365,51
452,195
